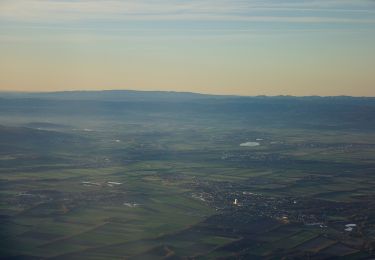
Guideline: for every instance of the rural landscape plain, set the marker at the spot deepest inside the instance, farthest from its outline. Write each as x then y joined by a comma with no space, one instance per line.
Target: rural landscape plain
163,175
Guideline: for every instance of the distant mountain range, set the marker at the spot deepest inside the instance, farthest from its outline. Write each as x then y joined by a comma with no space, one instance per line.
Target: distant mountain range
134,95
339,112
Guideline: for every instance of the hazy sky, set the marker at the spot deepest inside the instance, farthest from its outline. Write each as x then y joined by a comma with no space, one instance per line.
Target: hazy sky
247,47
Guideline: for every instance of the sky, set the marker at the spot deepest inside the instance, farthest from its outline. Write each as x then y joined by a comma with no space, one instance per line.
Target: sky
242,47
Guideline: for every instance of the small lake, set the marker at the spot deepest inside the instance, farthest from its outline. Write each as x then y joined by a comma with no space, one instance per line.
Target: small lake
250,144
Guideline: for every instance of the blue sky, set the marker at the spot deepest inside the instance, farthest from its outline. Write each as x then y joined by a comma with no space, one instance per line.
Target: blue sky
240,47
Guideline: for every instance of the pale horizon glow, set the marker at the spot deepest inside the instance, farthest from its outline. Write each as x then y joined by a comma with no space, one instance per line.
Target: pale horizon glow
240,47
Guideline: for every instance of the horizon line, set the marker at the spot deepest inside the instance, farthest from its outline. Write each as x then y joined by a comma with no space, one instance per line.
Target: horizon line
174,91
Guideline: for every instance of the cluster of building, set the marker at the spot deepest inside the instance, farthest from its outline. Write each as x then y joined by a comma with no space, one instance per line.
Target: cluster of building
286,209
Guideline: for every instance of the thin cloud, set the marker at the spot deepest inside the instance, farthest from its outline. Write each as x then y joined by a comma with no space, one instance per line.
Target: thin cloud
202,10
